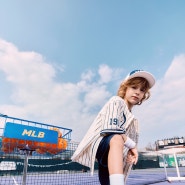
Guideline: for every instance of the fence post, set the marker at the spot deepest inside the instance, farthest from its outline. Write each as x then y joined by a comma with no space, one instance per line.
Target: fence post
27,152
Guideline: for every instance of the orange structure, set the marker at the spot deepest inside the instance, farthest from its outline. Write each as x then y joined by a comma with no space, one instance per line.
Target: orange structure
8,145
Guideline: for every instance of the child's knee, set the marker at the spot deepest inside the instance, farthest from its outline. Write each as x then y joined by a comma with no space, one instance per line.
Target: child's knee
117,140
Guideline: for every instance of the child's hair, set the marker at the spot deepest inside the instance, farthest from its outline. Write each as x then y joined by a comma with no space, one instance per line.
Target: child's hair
134,82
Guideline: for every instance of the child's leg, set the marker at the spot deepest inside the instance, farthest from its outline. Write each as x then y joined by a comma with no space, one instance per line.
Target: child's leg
115,160
115,156
110,159
102,157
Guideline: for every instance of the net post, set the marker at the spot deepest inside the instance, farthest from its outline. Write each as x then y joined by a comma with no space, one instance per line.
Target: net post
165,166
176,164
26,152
25,169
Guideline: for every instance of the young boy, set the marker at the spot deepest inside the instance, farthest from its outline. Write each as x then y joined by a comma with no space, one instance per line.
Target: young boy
113,136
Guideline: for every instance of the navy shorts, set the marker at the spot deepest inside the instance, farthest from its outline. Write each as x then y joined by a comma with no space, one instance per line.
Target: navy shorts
102,158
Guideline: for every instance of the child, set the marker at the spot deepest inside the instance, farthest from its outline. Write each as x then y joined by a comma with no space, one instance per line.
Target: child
113,136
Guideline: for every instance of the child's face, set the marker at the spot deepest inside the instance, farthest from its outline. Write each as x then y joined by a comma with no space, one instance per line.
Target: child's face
134,95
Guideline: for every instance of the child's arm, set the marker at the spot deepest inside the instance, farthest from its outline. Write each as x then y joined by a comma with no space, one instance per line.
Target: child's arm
132,156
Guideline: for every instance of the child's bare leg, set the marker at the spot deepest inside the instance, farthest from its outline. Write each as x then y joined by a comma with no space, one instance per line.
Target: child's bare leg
115,160
115,156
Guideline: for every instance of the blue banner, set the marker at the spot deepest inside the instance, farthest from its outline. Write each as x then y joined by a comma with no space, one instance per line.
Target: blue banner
25,132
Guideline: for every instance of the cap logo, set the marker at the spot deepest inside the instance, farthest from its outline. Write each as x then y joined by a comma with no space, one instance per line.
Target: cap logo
135,71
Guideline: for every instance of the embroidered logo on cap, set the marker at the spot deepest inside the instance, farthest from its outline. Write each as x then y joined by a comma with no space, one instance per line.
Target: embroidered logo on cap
135,71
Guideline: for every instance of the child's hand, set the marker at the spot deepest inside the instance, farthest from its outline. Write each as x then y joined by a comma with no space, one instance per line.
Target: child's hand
132,156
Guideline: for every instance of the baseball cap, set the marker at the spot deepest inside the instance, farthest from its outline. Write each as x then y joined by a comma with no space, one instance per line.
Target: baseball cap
144,74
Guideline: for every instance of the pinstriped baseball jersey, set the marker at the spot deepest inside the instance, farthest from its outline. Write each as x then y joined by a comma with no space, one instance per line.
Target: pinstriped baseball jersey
114,117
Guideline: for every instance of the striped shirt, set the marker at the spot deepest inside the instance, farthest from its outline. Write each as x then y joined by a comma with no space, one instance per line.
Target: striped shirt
114,117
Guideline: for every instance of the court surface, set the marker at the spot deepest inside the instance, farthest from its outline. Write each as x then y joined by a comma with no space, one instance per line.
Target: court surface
154,176
137,177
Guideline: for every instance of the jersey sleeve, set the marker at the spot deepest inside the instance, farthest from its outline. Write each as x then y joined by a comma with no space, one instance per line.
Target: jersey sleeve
115,116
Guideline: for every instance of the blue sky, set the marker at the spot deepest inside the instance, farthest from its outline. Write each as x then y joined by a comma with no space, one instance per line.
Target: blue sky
60,61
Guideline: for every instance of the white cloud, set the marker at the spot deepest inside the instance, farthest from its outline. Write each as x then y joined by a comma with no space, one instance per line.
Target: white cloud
96,96
108,74
35,95
87,76
163,115
105,73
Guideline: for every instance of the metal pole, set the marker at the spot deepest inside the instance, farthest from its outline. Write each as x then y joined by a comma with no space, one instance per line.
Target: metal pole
165,166
176,164
25,167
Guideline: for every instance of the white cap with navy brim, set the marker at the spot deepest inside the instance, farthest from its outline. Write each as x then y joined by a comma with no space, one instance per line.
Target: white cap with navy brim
144,74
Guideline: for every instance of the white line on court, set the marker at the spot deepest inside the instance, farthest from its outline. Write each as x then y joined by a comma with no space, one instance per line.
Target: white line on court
15,182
